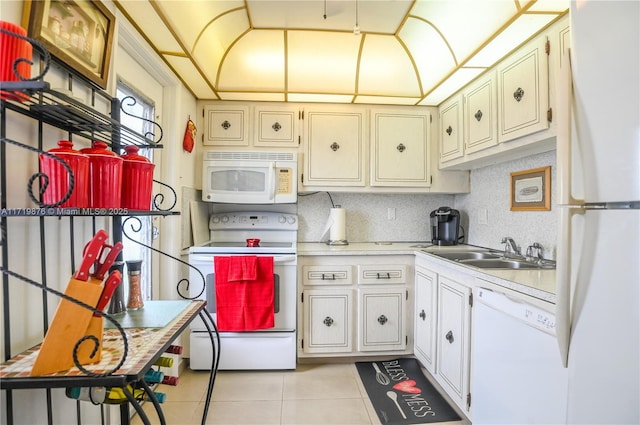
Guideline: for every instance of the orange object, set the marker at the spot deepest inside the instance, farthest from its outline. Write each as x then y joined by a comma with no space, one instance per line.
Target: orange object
189,136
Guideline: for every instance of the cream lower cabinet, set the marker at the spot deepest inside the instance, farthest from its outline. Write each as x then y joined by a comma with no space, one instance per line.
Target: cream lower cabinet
343,316
454,340
425,317
442,341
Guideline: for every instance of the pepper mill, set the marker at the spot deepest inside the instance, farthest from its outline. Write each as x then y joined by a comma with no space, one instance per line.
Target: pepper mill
135,290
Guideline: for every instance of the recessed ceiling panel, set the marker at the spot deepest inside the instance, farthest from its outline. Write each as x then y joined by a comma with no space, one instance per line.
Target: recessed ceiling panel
373,15
255,63
321,61
319,98
512,37
386,100
144,17
455,82
429,51
466,24
190,76
191,18
385,68
216,39
259,97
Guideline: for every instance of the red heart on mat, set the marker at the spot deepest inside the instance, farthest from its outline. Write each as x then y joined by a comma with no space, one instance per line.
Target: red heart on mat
408,386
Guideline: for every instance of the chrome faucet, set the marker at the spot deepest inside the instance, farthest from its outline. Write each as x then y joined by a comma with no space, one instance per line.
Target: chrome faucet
539,249
510,247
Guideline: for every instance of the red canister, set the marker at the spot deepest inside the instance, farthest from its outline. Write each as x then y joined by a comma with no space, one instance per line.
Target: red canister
105,175
137,179
59,176
14,48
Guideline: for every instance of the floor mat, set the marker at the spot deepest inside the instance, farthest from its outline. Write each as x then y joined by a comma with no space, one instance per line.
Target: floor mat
401,394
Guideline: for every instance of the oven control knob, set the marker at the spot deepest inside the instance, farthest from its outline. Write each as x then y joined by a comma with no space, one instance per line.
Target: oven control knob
291,219
216,219
225,218
282,219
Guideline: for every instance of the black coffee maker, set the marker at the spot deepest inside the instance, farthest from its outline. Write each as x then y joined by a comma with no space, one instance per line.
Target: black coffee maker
445,223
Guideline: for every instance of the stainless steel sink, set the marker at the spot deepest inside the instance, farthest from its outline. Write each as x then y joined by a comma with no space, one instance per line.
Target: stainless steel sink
466,255
500,263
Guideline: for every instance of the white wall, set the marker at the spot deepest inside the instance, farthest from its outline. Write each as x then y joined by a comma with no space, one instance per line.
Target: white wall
490,191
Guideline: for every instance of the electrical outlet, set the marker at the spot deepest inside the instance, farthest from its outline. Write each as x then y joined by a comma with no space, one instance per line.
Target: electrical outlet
483,216
391,213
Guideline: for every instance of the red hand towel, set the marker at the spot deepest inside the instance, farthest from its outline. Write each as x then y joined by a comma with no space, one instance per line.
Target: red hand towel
245,305
243,268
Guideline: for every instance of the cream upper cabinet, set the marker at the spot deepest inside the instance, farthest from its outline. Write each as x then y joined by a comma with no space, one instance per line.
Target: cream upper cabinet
480,114
451,129
523,92
335,148
226,125
400,148
276,126
425,317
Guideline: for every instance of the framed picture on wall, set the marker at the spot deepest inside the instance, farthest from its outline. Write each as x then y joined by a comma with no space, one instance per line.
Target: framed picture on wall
79,33
531,190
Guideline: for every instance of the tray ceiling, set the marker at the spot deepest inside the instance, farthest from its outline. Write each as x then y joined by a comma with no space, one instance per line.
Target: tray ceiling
407,52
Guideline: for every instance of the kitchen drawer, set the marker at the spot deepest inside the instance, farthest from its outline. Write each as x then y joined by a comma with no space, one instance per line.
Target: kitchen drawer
382,274
327,275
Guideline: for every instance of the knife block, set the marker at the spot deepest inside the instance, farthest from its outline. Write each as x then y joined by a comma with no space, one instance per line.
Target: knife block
70,323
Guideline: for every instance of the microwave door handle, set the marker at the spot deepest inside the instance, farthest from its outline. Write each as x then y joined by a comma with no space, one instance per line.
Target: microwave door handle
272,181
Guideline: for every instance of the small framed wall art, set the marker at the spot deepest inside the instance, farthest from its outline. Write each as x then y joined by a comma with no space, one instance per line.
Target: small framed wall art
79,33
531,190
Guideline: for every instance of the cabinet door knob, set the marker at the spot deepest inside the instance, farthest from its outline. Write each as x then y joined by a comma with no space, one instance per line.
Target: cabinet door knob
334,146
423,315
449,130
382,319
276,126
449,337
328,321
518,94
401,148
478,115
226,125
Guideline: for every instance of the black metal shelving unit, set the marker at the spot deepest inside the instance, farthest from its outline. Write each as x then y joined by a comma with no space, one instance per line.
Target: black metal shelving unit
34,99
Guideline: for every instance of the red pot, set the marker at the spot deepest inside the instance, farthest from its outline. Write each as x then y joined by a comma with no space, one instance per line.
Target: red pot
105,174
137,179
14,48
59,176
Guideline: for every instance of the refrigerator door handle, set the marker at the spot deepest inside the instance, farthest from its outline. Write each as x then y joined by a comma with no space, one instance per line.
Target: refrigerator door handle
564,142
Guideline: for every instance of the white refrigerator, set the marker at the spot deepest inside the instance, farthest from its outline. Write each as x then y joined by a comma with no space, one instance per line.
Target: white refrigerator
598,169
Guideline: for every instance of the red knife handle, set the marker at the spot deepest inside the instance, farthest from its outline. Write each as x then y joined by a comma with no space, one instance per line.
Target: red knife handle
103,268
90,254
110,285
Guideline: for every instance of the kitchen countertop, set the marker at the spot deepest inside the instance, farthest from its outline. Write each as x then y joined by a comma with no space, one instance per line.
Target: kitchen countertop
538,283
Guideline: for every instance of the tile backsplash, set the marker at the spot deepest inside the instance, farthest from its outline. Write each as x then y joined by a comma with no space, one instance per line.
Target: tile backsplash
367,215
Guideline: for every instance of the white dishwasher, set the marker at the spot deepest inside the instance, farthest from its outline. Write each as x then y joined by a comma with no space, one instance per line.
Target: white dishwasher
516,373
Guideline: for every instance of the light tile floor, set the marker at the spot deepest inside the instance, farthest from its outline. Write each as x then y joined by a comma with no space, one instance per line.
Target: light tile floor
322,394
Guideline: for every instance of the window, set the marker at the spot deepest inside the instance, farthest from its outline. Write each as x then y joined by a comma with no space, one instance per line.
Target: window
139,107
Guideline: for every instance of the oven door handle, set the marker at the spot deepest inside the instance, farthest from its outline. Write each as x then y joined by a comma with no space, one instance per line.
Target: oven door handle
278,259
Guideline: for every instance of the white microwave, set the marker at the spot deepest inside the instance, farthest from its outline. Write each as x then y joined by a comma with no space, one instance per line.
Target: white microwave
251,177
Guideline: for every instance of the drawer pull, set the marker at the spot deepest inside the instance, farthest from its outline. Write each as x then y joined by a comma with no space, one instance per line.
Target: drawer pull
332,276
423,315
383,276
328,321
449,337
382,319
